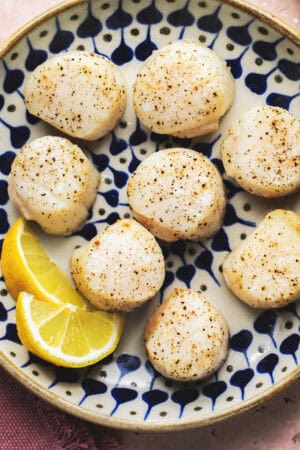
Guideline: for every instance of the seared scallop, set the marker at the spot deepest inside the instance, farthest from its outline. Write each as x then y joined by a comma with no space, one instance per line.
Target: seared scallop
186,338
177,194
183,90
261,151
121,268
264,271
53,183
79,93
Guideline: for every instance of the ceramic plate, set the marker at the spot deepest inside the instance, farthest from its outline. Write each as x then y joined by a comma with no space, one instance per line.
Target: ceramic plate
124,390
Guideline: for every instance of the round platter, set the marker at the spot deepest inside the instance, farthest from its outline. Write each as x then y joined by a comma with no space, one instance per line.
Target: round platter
124,391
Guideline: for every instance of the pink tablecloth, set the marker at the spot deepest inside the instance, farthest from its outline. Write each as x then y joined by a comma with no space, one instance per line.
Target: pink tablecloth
27,422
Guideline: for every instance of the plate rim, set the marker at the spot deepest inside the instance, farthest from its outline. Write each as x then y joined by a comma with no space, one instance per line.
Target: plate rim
256,11
125,424
294,35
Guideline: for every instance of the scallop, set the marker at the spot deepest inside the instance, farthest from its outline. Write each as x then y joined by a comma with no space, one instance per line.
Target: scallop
82,94
53,183
177,194
261,151
186,338
119,269
183,90
264,271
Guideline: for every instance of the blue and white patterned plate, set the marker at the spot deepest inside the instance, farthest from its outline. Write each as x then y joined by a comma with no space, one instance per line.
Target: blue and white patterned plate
124,390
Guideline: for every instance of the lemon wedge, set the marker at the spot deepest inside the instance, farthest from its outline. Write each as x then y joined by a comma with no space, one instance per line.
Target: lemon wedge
64,334
27,267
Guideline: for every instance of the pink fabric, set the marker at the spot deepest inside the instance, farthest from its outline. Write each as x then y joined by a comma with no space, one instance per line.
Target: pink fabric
27,422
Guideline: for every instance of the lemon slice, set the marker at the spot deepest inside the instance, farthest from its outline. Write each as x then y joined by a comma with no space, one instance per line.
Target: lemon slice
27,267
65,334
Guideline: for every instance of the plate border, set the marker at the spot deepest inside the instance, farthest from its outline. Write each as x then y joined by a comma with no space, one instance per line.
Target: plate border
294,35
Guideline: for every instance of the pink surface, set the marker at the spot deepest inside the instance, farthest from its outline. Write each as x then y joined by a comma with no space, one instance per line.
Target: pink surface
28,423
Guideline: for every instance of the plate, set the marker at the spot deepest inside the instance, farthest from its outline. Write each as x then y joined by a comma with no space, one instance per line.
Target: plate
124,390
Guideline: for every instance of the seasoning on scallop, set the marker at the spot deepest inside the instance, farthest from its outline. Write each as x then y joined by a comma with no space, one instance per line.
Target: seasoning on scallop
82,94
177,193
261,151
186,337
264,271
53,183
183,89
120,268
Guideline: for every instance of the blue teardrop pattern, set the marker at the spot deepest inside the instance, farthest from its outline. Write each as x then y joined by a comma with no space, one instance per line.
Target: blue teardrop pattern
265,324
257,82
235,64
211,23
122,395
232,218
11,334
111,197
149,15
214,390
119,19
240,342
3,192
61,40
64,375
186,273
240,34
181,17
241,378
13,79
281,100
290,69
183,397
134,163
268,364
127,363
139,136
146,47
220,242
290,345
87,232
92,387
91,26
123,53
266,50
4,225
102,162
204,261
117,145
3,313
18,135
153,398
35,57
